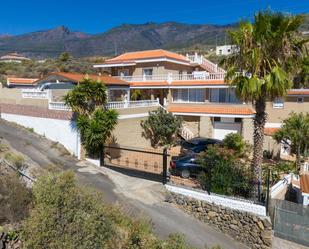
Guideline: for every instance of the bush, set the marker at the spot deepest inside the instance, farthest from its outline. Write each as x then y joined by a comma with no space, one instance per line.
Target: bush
235,141
66,216
225,173
16,160
15,198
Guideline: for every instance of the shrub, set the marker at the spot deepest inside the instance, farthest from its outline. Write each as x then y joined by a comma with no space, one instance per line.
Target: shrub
15,198
161,127
235,141
225,172
17,160
66,216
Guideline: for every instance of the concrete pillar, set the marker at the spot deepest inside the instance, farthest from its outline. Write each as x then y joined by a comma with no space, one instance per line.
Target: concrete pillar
247,129
206,127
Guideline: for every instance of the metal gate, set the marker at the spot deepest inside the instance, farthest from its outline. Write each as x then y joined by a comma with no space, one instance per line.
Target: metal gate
292,225
150,164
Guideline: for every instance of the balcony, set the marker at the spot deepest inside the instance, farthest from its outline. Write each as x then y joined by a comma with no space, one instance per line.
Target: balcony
198,75
60,106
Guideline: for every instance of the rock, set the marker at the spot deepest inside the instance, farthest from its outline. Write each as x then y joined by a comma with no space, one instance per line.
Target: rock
212,214
260,225
234,227
200,209
234,222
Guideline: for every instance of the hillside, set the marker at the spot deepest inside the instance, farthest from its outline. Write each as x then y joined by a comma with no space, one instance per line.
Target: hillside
127,37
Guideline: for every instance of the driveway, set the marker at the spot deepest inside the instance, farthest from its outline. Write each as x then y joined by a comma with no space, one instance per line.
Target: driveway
139,197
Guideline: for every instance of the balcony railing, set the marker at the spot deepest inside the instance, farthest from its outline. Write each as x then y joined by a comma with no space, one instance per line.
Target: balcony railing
198,75
132,104
34,94
60,106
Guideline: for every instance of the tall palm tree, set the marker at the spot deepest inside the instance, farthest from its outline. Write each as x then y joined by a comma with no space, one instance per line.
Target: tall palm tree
94,121
269,50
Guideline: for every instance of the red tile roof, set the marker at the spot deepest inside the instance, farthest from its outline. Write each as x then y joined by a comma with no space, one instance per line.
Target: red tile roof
298,92
147,54
76,77
304,183
212,109
270,131
21,81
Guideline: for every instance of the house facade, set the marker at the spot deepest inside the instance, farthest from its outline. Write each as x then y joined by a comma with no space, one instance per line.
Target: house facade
188,86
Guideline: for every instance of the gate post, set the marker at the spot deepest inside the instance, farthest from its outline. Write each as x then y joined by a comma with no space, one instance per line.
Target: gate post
164,180
267,192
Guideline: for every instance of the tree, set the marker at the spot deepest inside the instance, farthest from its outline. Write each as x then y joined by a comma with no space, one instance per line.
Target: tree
161,127
66,216
94,121
294,133
269,51
235,141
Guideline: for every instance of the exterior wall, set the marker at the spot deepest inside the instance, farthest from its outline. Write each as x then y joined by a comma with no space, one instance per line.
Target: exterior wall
276,115
206,127
247,129
193,123
272,146
50,128
14,96
128,132
58,94
157,67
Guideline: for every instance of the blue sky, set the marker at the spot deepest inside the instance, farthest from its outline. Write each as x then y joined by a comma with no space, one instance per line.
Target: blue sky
95,16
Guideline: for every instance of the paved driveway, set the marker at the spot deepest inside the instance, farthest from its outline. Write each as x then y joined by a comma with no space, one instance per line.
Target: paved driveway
139,197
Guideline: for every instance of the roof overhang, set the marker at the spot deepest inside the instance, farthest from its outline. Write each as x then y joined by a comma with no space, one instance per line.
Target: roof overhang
108,65
214,115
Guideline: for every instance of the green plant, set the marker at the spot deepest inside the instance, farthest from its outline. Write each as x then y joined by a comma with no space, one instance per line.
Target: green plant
269,53
294,133
4,147
94,121
225,172
15,198
235,141
17,160
30,129
161,127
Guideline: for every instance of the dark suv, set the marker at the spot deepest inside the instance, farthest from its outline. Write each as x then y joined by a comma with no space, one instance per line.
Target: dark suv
185,166
197,145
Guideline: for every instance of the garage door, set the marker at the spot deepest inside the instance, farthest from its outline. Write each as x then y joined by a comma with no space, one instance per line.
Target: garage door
221,129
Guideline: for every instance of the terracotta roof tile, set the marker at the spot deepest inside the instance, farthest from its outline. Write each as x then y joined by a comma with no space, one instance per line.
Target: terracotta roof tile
178,83
76,77
270,131
21,81
304,183
147,54
212,109
149,83
298,92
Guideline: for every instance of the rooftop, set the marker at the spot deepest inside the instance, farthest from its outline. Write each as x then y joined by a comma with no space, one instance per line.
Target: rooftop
21,81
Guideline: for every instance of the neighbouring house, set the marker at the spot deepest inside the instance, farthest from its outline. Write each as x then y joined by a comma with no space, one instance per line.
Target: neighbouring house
225,49
189,86
13,57
20,82
296,100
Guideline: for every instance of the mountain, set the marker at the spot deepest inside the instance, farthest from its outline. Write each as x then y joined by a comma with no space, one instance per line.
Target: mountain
127,37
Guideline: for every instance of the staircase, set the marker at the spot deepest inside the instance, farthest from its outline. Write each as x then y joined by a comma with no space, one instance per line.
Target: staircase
186,133
206,64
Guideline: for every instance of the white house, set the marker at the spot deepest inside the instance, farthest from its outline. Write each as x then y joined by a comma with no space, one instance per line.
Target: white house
225,49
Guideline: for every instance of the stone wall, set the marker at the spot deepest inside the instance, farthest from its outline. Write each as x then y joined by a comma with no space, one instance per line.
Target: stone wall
6,243
252,230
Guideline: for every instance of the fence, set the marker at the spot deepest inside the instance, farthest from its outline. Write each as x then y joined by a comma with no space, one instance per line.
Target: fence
291,221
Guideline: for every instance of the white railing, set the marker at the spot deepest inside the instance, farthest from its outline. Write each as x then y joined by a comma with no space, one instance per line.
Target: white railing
61,106
34,94
208,65
198,75
186,133
132,104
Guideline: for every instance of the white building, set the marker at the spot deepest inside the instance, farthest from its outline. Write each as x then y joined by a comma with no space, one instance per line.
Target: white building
225,49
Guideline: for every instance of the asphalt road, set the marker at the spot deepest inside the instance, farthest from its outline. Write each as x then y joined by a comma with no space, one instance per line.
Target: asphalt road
138,197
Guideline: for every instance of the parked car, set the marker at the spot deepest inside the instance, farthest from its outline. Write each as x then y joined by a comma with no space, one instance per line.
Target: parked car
197,145
185,166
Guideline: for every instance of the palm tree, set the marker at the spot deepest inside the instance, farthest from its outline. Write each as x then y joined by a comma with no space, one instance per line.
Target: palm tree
269,50
294,133
94,121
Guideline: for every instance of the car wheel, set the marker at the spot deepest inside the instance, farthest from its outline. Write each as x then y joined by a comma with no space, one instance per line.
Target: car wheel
185,173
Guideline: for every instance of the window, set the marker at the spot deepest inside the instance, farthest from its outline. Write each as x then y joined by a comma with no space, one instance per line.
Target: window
223,95
300,100
278,103
237,120
123,72
189,95
147,73
217,119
